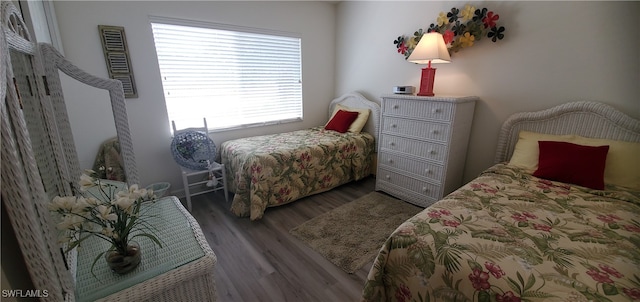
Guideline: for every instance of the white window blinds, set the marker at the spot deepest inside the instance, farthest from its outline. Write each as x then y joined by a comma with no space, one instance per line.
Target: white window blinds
235,77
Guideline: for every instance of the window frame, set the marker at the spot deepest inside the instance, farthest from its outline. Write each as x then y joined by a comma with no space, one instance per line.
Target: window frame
239,29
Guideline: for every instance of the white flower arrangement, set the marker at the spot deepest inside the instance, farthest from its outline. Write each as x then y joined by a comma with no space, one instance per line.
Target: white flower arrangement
104,210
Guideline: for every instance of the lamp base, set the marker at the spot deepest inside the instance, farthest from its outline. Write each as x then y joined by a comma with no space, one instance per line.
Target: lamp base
426,82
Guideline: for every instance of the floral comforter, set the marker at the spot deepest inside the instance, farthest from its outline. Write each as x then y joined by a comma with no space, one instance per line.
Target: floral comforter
509,236
276,169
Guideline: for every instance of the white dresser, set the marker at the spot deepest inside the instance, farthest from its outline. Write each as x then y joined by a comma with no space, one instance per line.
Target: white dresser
423,146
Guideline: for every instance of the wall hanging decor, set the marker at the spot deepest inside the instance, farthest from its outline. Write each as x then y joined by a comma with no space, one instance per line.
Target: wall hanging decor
116,53
459,28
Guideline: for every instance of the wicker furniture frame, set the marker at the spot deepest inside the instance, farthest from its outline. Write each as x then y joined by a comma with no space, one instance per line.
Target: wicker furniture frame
54,61
357,100
193,281
29,178
23,192
197,179
423,146
590,119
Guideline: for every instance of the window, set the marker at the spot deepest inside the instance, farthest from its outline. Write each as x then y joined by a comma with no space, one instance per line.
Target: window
234,77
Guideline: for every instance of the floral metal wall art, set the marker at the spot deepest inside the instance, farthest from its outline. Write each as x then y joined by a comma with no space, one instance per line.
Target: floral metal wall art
460,29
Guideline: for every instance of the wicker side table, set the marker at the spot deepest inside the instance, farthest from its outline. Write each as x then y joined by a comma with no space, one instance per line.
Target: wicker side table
182,270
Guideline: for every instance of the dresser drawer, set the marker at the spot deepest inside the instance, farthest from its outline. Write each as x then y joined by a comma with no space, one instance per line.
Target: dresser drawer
411,197
418,109
409,183
423,129
427,150
424,169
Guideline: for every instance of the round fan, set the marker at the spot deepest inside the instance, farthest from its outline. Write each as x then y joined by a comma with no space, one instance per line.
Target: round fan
193,150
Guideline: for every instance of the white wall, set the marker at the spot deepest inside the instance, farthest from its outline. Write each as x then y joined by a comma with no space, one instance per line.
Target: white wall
78,23
553,52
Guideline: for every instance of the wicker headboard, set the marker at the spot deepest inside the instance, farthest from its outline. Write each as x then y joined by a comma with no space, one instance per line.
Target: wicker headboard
356,100
589,119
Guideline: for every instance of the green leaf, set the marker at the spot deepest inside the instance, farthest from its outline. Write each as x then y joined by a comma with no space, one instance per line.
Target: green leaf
560,256
514,285
566,281
635,239
609,289
537,294
76,243
402,242
153,238
635,280
485,234
594,296
425,299
450,256
520,278
457,284
473,264
422,227
94,263
449,294
484,296
423,258
447,278
490,251
529,254
586,237
530,282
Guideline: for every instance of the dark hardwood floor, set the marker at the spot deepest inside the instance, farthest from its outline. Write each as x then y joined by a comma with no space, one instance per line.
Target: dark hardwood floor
261,261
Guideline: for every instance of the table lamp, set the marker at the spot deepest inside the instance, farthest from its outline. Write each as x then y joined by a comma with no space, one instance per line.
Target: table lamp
431,48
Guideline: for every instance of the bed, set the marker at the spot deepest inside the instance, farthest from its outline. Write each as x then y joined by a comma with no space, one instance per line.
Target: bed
511,236
272,170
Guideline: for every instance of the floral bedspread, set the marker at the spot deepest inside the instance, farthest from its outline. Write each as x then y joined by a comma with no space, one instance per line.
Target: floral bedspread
276,169
509,236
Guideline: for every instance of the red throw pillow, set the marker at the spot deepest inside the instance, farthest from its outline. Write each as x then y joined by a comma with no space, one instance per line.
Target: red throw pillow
571,163
341,121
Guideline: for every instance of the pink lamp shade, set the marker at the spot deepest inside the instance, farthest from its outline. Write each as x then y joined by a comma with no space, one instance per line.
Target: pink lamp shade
431,48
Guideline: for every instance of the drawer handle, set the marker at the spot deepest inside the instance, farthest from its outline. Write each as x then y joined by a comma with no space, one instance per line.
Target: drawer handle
434,131
387,177
390,161
392,144
425,189
428,171
394,125
432,152
436,110
396,106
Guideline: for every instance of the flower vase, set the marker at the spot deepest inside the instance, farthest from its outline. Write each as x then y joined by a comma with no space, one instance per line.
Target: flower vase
122,264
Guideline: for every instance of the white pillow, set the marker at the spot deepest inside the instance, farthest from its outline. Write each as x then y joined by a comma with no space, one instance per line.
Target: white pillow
526,152
358,124
623,161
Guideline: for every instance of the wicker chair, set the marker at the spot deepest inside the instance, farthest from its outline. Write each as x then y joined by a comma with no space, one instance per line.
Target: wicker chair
39,161
201,167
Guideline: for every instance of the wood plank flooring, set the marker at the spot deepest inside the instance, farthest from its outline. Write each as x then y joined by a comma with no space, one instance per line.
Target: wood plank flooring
261,261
